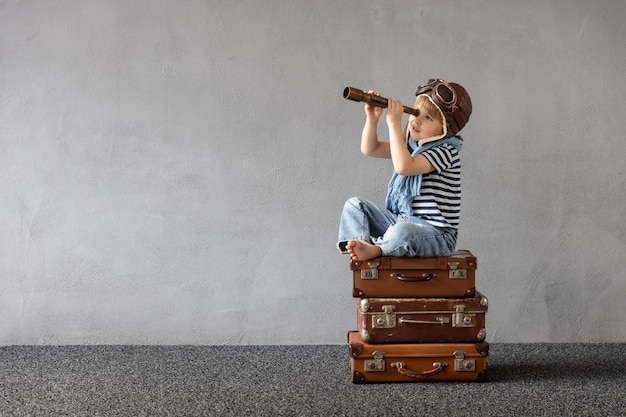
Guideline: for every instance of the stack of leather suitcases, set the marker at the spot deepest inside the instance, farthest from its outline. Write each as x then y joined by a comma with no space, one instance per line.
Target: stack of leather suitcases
419,319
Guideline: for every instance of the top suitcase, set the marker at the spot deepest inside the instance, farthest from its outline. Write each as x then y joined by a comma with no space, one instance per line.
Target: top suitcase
443,276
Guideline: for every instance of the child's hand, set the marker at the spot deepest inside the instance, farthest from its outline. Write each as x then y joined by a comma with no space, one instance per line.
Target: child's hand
373,112
394,112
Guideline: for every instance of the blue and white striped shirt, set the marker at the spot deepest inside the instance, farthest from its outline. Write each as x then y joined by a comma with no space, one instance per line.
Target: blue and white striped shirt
439,202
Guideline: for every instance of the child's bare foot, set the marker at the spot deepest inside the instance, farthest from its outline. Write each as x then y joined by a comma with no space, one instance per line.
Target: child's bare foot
361,250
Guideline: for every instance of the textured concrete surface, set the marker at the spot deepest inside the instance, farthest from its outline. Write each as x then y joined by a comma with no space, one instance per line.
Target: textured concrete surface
173,172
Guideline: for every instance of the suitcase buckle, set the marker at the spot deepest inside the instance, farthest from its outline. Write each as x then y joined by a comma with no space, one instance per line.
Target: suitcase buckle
455,272
463,365
386,319
377,364
372,272
460,318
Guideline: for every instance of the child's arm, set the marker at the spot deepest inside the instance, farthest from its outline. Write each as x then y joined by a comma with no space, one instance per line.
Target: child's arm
370,145
403,162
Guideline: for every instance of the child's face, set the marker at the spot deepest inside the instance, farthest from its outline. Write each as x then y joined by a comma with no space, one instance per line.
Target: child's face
424,126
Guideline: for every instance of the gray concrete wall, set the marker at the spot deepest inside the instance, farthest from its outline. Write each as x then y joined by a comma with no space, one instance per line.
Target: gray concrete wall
173,172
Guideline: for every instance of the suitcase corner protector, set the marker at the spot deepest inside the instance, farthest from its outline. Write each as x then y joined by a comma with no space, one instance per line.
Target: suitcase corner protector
355,349
358,377
356,292
470,292
481,376
482,348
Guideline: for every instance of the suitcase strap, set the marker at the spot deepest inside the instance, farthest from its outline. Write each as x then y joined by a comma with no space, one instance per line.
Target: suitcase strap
401,366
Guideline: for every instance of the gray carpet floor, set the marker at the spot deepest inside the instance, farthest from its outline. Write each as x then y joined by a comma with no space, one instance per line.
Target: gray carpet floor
524,380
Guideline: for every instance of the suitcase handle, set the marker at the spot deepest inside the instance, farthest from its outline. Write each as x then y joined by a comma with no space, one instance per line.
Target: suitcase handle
423,278
401,366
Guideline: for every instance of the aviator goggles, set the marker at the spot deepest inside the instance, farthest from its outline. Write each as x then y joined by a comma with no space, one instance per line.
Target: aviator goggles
441,92
444,96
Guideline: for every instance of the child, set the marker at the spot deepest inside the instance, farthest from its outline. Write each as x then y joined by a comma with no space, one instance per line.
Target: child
421,217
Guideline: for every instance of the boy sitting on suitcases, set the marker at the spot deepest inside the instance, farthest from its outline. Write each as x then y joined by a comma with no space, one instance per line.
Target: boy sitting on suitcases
421,217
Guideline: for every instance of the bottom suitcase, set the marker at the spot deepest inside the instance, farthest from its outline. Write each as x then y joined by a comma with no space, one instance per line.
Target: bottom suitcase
414,362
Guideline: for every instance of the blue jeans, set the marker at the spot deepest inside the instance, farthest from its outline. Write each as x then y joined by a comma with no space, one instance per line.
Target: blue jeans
395,234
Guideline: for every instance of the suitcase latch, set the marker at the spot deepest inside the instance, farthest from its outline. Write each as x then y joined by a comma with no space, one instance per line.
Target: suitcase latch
462,319
463,365
372,272
386,319
377,364
458,274
455,272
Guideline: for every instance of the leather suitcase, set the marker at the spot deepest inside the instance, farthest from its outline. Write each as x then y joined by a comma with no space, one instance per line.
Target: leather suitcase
422,320
452,276
416,362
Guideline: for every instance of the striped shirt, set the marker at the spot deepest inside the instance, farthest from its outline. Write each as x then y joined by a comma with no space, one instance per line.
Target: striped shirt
439,202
